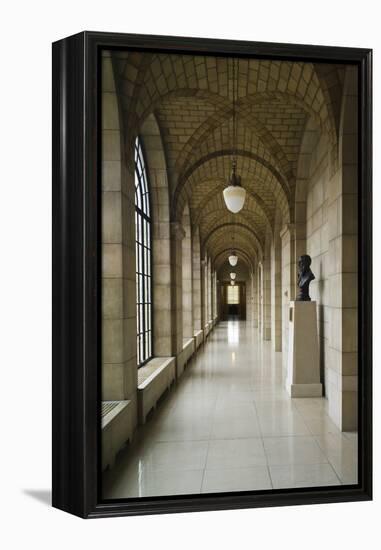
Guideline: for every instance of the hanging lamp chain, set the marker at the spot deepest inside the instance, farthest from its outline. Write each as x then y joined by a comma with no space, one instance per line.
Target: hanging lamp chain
235,179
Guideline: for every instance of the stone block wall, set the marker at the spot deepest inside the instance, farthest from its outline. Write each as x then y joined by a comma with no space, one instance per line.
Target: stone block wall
317,245
119,370
342,385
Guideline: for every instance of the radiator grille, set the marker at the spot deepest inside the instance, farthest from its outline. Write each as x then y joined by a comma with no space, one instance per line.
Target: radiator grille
108,406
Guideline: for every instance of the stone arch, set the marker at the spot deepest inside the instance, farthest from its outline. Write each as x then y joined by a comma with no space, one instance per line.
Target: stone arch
194,93
240,226
332,89
279,182
245,118
311,137
242,254
261,205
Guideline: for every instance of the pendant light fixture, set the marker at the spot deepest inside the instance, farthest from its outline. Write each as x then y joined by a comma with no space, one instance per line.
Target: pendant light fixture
232,283
233,276
233,258
234,194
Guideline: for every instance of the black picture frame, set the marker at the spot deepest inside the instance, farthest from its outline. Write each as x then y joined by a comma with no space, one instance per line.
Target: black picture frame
76,269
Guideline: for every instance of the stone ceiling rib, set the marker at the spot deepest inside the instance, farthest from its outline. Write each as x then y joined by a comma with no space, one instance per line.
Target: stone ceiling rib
189,96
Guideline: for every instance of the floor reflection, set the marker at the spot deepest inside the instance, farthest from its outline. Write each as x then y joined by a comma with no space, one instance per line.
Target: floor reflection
233,333
233,429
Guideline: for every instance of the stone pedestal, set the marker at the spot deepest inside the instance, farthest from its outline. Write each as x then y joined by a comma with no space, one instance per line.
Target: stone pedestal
303,369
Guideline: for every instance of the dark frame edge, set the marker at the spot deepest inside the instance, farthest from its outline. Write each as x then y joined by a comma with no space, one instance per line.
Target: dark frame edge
69,469
366,262
76,266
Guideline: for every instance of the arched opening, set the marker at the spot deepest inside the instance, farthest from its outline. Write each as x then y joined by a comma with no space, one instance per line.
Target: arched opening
143,240
234,299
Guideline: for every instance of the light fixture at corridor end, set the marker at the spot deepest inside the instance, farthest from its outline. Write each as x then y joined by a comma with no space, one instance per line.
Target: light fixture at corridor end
233,259
232,283
234,194
233,276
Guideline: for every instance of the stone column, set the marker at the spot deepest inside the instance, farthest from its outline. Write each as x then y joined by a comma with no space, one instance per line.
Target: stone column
214,294
209,290
187,290
254,284
266,299
249,301
162,294
287,236
214,275
203,292
259,297
119,369
177,235
196,267
276,294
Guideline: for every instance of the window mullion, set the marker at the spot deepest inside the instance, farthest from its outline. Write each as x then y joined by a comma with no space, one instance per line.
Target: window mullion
144,251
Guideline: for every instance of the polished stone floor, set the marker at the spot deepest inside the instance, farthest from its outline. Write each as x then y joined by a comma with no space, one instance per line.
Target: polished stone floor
229,425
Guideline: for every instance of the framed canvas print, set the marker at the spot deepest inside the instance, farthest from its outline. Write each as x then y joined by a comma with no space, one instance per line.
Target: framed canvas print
212,327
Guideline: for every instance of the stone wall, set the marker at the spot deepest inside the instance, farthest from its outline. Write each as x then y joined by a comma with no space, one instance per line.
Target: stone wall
327,200
119,370
317,244
342,390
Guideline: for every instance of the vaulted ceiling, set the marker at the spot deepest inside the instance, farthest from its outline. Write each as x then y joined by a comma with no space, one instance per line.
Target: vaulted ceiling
191,99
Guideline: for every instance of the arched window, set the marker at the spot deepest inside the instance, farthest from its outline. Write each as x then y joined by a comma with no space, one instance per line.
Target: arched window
143,259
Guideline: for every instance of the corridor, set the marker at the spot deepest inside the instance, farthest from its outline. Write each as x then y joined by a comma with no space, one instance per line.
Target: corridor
219,175
229,425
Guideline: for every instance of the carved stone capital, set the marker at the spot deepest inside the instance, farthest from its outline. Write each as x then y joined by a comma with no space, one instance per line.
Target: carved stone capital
177,231
289,227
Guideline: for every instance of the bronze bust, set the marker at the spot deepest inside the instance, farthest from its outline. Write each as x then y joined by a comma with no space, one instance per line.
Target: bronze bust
305,276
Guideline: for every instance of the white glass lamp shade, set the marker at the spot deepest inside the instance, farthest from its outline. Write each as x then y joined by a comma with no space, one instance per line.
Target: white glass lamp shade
234,197
232,283
233,259
233,276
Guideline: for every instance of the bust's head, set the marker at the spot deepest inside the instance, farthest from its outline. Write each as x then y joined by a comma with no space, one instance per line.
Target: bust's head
304,263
